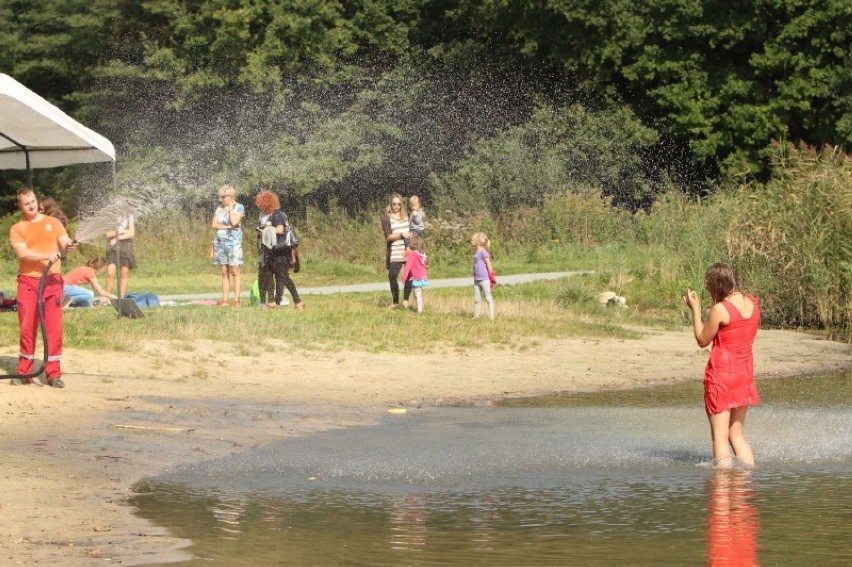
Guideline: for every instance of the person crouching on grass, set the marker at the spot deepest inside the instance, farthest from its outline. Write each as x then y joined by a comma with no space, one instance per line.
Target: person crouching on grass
78,296
729,387
38,240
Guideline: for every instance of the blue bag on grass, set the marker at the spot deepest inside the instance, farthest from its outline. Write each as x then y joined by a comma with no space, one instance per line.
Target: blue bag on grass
144,299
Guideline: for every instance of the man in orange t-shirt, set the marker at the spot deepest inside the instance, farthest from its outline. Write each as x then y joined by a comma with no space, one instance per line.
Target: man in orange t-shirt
36,241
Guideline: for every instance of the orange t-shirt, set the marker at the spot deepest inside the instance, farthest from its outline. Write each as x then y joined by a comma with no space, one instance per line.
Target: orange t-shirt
80,276
40,236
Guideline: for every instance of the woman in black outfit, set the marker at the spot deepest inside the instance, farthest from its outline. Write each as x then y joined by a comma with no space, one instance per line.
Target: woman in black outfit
274,264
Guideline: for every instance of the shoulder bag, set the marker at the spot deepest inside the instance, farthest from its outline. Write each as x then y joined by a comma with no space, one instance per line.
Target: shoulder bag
287,239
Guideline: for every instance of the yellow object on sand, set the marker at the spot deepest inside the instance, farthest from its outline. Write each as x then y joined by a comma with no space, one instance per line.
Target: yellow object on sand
396,410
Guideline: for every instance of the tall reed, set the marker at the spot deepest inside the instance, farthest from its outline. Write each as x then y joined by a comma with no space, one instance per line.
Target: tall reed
793,235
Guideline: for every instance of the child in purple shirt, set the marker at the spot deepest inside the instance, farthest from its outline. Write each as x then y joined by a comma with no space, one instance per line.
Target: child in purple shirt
483,274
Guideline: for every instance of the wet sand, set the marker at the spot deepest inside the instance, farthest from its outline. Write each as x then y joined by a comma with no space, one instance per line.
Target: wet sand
70,457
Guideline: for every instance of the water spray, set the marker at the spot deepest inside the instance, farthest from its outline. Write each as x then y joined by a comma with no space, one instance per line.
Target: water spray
107,218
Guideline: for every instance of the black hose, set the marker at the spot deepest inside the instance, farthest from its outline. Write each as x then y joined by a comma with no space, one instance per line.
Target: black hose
40,310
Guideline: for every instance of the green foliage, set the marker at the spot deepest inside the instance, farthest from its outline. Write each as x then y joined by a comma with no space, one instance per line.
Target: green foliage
694,230
7,256
794,236
526,225
720,79
341,239
53,46
584,218
340,146
199,49
805,57
556,149
726,78
222,45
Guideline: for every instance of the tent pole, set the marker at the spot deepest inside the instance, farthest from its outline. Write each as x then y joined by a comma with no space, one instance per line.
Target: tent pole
29,169
118,265
117,242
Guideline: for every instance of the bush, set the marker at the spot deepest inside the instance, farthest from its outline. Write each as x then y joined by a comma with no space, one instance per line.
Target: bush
793,236
691,229
554,150
586,218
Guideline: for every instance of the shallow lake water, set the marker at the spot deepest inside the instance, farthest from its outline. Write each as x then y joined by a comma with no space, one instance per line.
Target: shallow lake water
592,479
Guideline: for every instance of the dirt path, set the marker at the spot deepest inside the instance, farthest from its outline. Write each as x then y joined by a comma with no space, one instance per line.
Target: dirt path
71,456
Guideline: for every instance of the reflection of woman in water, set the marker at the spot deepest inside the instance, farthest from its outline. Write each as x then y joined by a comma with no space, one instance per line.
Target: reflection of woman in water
408,522
732,519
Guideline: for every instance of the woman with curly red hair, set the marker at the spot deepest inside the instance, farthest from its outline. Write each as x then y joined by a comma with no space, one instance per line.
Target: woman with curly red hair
273,264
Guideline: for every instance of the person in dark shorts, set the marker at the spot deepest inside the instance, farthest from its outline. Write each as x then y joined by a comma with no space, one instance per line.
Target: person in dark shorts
120,254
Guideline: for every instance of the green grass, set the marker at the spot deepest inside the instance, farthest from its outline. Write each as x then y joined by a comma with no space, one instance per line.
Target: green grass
194,274
526,314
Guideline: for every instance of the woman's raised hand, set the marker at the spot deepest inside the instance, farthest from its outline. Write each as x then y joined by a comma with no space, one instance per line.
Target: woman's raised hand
691,298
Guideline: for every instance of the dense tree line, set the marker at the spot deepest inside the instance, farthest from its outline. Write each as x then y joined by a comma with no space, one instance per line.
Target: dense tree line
493,101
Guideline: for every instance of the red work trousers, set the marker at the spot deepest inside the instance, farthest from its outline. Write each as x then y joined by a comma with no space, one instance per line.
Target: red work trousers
27,304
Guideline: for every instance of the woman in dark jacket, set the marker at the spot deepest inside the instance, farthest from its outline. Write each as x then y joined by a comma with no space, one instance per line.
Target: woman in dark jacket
274,264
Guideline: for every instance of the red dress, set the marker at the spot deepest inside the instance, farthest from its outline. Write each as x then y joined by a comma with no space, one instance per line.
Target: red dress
729,376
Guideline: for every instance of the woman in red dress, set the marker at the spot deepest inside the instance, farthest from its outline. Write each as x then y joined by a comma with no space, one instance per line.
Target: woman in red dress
729,377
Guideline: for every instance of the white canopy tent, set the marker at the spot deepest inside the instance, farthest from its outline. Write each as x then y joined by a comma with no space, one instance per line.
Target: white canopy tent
36,134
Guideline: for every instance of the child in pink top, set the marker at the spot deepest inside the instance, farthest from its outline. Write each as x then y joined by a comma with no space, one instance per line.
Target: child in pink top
415,269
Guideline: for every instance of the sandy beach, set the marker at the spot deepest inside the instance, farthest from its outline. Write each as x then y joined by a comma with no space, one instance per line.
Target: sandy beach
71,456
